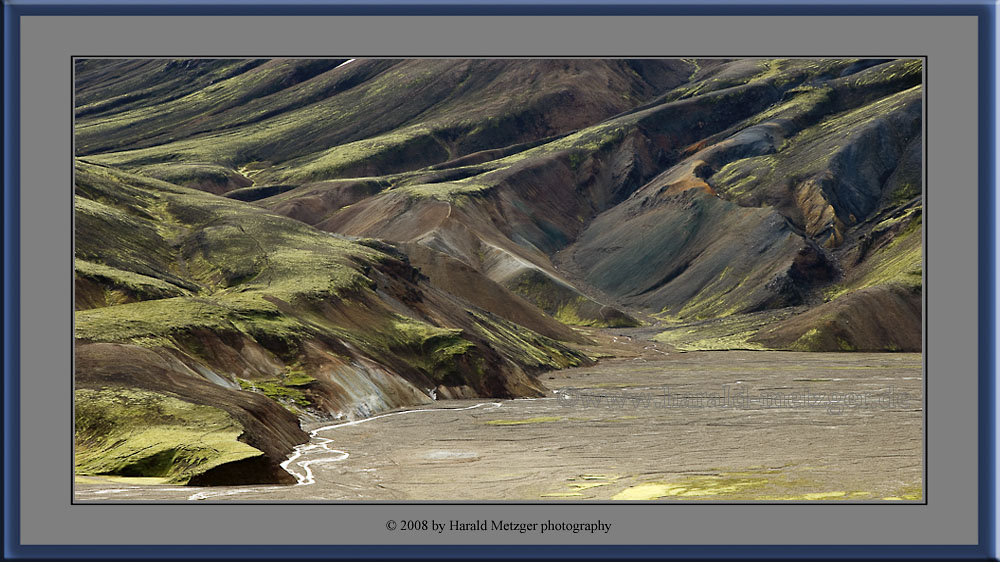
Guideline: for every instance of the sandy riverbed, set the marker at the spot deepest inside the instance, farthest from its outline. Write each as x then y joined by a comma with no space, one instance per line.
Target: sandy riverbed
649,424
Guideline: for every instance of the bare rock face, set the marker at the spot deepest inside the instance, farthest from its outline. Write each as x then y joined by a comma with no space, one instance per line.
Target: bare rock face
260,242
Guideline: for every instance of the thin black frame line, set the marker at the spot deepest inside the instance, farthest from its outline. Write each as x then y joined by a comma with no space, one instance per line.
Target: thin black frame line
924,291
72,324
455,57
924,317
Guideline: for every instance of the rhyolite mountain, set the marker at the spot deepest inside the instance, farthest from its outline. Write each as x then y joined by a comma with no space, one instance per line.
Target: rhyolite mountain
260,242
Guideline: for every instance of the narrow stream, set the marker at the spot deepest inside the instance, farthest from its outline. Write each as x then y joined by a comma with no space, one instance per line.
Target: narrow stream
319,444
607,432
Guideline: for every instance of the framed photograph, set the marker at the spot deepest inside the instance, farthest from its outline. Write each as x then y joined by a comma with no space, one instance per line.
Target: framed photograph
411,280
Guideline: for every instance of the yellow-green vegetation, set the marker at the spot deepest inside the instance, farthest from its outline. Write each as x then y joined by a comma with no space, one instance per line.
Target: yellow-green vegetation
524,346
118,231
170,232
591,139
210,274
834,495
444,191
714,300
229,291
721,334
775,69
281,391
723,486
126,279
758,484
913,214
833,129
883,74
127,480
199,175
569,312
241,258
130,432
156,323
812,149
721,81
695,68
309,129
432,349
577,147
803,101
270,279
739,178
565,304
898,262
238,138
297,378
575,159
573,148
540,419
904,192
778,72
252,273
845,345
122,286
348,156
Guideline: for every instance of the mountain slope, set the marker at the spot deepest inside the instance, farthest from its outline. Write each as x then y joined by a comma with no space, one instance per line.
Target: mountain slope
275,240
221,297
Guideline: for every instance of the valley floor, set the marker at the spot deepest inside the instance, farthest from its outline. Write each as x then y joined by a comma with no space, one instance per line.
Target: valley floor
649,423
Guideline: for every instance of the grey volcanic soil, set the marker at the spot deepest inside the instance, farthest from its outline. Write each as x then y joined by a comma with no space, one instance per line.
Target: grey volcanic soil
606,432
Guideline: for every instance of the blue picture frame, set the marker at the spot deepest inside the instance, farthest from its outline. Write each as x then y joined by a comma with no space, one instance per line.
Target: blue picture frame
984,10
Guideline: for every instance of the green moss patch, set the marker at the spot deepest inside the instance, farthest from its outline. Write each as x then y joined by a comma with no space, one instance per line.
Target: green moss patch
130,432
721,334
433,350
122,286
566,304
524,346
206,177
721,487
280,391
898,262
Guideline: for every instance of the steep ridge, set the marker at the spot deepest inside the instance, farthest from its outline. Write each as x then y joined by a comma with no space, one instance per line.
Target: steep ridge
219,297
770,213
280,119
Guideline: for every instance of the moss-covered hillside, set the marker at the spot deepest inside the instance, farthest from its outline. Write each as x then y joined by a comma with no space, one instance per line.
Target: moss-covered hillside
264,241
205,296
